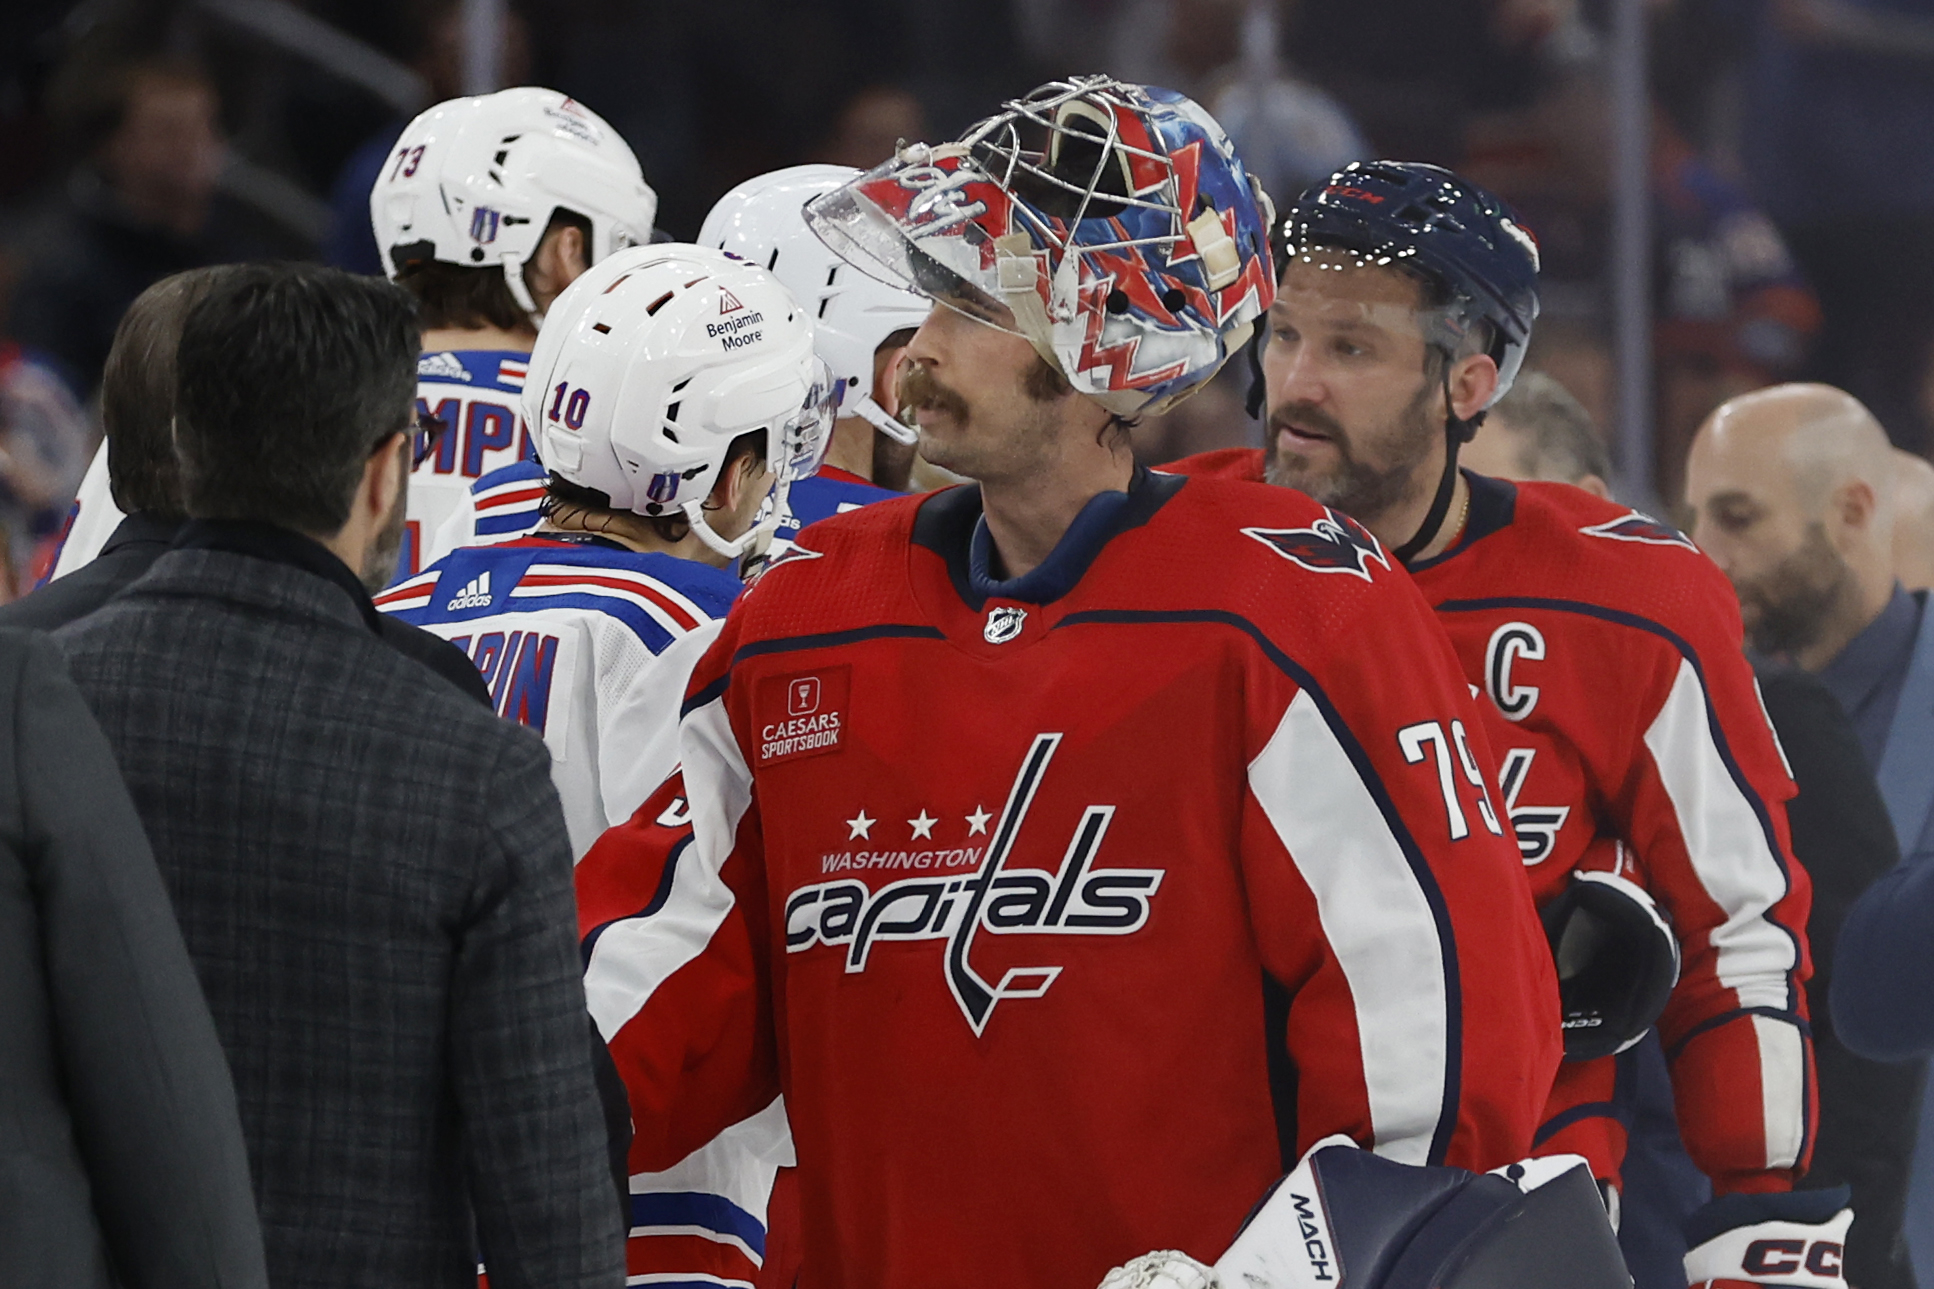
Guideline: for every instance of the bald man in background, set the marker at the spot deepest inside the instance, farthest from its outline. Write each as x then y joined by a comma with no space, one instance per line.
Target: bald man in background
1913,521
1793,490
1840,832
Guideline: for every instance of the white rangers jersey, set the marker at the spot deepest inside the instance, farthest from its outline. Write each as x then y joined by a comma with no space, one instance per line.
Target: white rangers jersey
474,393
586,642
91,520
507,503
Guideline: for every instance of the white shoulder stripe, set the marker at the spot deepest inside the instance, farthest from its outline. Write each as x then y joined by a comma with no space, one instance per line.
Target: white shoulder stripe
632,959
1375,917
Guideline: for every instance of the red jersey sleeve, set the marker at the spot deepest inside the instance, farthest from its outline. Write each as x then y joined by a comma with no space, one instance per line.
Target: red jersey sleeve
1390,906
678,977
1703,807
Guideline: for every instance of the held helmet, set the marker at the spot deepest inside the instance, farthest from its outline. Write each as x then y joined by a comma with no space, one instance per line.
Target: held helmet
475,181
1451,231
761,221
1112,223
654,361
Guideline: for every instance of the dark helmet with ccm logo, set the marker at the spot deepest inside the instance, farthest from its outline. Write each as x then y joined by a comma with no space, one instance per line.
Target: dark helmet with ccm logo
1447,229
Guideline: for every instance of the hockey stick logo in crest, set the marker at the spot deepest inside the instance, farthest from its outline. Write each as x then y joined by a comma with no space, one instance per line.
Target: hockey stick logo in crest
1077,899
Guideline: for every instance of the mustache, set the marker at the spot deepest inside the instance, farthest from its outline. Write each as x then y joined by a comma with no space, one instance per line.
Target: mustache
917,386
1306,416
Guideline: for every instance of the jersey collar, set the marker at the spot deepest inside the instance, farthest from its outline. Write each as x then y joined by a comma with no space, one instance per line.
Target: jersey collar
951,525
1494,502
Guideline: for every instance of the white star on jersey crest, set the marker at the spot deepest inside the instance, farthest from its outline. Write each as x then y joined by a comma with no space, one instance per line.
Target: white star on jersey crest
977,822
923,826
862,827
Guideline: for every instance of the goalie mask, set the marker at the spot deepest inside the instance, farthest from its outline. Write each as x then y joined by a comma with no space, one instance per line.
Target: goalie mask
652,363
1110,225
475,181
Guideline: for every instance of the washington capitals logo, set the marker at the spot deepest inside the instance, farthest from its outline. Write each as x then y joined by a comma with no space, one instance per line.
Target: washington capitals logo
1333,544
1637,527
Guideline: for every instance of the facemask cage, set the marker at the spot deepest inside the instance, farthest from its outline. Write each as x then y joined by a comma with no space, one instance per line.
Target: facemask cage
1109,225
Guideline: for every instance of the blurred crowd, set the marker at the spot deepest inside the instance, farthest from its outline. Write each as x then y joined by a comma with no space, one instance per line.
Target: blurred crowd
1792,160
1791,276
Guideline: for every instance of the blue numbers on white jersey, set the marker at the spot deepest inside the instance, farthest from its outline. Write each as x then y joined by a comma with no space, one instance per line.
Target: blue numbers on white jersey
517,667
474,431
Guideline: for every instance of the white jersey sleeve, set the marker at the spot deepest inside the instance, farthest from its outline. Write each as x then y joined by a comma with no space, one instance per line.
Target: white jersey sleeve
91,522
590,645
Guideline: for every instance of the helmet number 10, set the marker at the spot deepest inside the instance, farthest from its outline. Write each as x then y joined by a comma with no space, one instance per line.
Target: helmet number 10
569,405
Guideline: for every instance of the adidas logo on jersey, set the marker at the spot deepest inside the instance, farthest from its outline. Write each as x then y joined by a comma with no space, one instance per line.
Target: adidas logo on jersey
443,366
474,595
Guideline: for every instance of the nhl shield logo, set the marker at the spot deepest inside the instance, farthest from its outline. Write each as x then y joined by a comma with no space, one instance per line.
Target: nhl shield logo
1003,624
483,225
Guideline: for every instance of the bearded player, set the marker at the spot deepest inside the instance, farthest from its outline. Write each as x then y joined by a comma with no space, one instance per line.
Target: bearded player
1066,849
1630,733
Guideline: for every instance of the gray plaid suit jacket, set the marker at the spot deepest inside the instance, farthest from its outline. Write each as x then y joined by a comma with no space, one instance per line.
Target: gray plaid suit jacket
373,880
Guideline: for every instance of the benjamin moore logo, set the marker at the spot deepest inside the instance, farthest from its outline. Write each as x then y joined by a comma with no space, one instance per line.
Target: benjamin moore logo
474,595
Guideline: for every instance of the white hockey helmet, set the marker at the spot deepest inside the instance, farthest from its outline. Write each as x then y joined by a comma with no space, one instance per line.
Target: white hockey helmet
761,220
475,181
653,362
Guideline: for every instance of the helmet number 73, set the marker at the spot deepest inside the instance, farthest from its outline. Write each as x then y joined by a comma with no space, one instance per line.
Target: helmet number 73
1427,738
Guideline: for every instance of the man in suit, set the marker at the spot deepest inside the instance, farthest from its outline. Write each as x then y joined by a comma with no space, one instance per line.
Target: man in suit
123,1162
137,412
1793,493
371,874
1840,833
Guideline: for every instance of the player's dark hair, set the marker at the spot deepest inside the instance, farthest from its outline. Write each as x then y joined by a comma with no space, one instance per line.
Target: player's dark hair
563,495
138,393
288,377
459,297
1044,382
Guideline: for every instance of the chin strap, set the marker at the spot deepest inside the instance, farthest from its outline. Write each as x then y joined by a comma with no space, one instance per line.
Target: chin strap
749,548
877,416
1457,432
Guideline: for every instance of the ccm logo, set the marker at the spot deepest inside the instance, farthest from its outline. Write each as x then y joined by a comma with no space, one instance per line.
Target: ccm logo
1784,1257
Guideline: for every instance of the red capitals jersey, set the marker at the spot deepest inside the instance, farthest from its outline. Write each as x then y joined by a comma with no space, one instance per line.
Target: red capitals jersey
1630,733
1064,911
